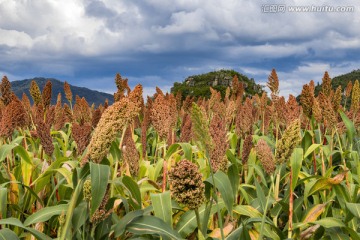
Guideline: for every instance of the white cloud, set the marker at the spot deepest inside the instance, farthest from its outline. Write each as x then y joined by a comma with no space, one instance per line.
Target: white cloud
184,22
12,38
291,82
62,37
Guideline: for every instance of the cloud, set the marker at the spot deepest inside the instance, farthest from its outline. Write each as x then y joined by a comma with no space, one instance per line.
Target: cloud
159,42
291,82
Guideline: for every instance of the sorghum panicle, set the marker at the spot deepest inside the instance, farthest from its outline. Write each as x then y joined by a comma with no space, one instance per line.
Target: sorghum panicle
187,186
289,140
130,153
35,92
265,156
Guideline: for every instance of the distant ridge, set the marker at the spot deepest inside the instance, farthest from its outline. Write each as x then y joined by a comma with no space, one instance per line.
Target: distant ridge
199,85
92,96
341,80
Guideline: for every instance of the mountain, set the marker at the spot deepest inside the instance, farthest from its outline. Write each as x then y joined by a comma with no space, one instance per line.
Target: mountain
341,80
199,85
22,86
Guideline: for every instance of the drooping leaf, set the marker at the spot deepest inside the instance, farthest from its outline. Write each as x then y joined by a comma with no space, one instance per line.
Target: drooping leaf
216,233
154,226
247,210
314,213
20,150
120,226
5,150
240,233
329,222
187,222
171,150
45,214
16,222
311,149
320,184
6,234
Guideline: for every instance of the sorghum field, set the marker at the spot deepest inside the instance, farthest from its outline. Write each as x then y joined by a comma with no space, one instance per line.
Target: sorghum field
171,168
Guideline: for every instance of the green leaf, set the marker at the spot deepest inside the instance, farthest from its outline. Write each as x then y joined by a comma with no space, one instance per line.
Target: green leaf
354,208
307,139
27,171
320,184
20,150
187,149
255,216
16,222
231,156
223,184
247,210
329,222
349,126
12,221
3,202
115,151
338,235
66,231
314,213
45,214
312,148
296,163
5,150
6,234
154,226
50,170
80,215
342,195
120,226
99,180
187,222
158,168
171,150
240,233
134,190
161,203
234,177
260,195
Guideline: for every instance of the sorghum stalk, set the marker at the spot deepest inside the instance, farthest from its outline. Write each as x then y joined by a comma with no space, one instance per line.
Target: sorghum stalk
196,210
276,192
201,132
331,146
215,197
266,206
291,205
164,170
112,189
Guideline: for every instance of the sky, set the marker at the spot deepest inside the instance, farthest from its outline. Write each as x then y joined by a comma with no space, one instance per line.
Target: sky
159,42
